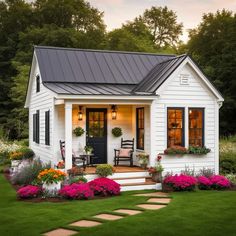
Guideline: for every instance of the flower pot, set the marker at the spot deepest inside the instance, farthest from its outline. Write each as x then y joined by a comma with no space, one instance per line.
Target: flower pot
157,177
53,187
143,165
15,163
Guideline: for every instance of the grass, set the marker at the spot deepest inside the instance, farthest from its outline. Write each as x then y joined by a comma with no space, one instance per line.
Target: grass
189,213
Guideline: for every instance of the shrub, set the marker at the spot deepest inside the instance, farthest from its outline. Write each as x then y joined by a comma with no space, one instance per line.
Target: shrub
176,150
50,176
181,182
219,182
207,172
117,132
204,183
77,179
76,191
22,153
27,174
188,171
104,170
29,191
231,178
228,163
198,150
104,187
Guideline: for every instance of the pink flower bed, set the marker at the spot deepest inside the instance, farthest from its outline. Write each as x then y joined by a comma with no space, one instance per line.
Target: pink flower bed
204,183
219,182
104,186
76,191
29,191
180,182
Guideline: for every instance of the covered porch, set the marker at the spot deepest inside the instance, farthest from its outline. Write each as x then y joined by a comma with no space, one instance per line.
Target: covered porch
96,117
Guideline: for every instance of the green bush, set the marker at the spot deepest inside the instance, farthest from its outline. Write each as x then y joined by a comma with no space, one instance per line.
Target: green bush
77,179
27,174
198,150
228,163
104,170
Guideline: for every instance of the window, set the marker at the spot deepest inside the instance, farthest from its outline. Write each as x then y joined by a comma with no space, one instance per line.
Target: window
37,84
175,127
196,126
140,128
36,131
47,127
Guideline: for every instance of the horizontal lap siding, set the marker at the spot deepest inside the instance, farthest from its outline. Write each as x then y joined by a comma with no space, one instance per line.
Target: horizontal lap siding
192,95
42,101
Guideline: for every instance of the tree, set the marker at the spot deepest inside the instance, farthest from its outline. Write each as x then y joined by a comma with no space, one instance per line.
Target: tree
212,44
162,24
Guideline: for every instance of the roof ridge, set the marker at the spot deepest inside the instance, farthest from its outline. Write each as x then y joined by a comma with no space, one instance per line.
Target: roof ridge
103,51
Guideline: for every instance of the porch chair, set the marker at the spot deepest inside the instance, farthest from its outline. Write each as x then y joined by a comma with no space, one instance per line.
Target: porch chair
125,153
76,161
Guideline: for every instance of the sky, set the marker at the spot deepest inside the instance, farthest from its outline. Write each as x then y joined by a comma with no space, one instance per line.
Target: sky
189,12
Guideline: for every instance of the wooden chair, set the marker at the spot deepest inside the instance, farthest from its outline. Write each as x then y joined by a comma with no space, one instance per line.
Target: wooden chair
76,161
125,144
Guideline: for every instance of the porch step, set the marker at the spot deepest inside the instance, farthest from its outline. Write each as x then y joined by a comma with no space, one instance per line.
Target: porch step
141,186
128,180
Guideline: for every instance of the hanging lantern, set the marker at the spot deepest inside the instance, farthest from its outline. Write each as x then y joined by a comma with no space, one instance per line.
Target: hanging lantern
113,112
80,114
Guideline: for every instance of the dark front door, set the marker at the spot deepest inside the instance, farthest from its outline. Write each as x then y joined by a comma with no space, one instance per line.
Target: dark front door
96,127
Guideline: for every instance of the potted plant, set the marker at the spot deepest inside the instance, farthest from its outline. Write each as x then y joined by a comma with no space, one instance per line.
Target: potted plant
61,165
88,149
78,131
16,158
156,171
51,179
117,132
143,159
103,170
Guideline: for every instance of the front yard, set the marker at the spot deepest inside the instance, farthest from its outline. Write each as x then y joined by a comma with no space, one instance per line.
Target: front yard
189,213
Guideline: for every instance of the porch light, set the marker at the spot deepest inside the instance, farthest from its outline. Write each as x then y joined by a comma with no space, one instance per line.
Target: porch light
80,114
113,112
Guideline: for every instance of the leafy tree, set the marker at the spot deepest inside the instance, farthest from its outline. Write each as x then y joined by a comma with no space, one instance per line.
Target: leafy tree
163,26
212,44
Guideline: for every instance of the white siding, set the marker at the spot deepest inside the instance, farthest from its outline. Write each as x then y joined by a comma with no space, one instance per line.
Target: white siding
173,94
42,101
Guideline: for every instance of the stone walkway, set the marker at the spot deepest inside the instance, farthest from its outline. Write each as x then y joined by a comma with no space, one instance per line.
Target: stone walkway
156,201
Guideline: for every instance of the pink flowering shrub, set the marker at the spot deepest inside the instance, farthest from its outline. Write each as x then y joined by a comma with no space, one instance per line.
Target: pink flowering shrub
219,182
76,191
29,191
104,186
181,182
204,183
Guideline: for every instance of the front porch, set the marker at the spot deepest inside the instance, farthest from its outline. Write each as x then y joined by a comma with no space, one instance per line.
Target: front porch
97,120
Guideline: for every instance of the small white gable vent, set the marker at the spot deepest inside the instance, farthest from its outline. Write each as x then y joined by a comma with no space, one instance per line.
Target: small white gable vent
184,79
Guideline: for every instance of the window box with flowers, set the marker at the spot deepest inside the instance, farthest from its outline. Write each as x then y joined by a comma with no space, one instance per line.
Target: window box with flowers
51,179
156,171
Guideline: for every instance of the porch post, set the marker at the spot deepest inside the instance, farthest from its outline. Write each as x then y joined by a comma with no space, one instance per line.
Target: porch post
68,136
153,153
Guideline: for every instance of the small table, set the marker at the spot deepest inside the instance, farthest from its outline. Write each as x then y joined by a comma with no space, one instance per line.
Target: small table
89,158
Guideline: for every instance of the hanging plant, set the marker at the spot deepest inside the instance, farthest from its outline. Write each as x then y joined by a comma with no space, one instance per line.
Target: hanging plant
117,132
78,131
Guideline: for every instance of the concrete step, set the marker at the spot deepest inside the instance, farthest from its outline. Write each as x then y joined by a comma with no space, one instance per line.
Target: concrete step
128,180
141,186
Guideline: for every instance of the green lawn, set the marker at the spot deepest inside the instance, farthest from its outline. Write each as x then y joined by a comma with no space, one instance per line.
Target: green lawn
189,213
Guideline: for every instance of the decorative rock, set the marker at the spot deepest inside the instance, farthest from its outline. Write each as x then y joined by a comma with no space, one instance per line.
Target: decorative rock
108,217
159,200
85,223
151,206
61,232
128,211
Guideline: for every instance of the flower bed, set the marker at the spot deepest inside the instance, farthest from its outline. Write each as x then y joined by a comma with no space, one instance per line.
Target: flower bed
219,182
181,182
77,191
29,191
204,183
104,187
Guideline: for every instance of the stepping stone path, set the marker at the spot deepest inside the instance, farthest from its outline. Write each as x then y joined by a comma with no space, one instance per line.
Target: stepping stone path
128,212
61,232
158,199
85,223
108,217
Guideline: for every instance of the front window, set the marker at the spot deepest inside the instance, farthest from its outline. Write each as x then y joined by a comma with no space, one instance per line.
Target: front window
140,128
196,127
175,127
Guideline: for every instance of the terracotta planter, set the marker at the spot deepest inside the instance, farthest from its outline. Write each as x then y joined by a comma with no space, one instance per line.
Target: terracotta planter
53,187
157,177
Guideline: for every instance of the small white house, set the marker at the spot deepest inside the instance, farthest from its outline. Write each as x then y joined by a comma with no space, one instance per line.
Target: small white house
159,100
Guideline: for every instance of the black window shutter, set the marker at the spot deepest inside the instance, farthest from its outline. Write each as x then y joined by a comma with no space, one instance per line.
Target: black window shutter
34,127
37,127
47,127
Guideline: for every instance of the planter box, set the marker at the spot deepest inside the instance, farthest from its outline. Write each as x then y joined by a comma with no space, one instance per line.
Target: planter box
54,187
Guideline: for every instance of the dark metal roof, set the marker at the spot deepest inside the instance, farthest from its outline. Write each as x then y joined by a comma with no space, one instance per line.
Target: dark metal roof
68,65
158,75
90,89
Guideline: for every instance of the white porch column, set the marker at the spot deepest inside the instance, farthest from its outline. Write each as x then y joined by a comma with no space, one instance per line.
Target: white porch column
68,136
153,153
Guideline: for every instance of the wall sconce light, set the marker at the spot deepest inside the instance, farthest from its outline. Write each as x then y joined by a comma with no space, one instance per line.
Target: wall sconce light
80,114
113,112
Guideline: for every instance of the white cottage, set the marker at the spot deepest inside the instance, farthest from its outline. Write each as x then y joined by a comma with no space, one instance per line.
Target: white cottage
157,100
